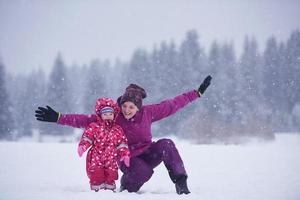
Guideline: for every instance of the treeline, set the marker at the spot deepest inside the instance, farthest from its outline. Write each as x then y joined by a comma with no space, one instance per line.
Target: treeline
253,94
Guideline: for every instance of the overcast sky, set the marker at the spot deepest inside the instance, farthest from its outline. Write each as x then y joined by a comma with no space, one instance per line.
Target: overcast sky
32,32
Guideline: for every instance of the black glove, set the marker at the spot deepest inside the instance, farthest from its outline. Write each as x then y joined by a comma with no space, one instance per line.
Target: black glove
204,85
46,114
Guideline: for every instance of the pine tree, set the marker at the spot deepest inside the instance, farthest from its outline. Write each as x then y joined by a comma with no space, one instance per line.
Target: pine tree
214,65
191,61
58,95
118,76
27,94
271,73
249,77
22,105
222,96
139,71
35,90
293,69
292,79
166,82
165,76
6,120
95,85
283,74
273,79
227,83
75,76
190,72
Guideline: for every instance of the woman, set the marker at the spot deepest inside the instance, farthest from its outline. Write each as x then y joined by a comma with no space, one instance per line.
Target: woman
136,121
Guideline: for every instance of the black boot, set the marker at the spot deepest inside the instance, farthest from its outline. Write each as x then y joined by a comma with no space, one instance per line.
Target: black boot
122,187
181,185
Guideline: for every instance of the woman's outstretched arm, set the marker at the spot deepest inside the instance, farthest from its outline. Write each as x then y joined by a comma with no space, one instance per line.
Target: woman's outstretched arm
47,114
171,106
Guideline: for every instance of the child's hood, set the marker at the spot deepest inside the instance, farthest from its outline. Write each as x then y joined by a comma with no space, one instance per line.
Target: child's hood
106,102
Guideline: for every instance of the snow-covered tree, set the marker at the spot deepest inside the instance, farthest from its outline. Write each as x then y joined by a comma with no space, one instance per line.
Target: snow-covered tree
165,80
292,83
226,83
214,65
249,78
139,70
271,73
58,95
77,87
28,94
6,120
95,85
191,62
293,70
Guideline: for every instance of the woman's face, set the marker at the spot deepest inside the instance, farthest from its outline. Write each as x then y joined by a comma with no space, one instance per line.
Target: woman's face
129,109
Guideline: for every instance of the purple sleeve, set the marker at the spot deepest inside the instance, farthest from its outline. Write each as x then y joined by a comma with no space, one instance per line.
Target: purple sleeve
77,121
171,106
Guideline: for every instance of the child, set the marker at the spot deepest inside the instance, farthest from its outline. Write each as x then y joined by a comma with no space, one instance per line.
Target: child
109,146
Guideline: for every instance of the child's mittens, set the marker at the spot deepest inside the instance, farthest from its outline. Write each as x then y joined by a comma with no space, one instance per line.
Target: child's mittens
81,149
126,160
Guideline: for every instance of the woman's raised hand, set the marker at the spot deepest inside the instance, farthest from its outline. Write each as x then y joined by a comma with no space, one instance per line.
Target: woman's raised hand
204,85
46,114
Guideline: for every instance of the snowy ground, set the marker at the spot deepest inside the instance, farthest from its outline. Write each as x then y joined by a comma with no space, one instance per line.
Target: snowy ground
264,171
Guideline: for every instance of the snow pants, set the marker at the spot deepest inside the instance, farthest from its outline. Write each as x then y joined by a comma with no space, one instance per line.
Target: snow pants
101,175
141,167
102,178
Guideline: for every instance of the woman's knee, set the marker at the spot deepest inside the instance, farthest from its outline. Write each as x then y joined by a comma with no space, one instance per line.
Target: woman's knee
138,171
165,143
134,178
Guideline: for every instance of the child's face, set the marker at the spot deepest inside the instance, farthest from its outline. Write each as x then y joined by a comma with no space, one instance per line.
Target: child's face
107,116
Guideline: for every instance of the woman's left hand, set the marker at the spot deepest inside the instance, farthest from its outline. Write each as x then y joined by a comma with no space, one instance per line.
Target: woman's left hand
204,85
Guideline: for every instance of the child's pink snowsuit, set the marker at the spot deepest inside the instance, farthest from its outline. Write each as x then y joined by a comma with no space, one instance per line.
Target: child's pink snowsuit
109,145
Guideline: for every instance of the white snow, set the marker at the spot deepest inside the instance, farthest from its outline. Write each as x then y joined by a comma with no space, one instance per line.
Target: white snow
256,171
